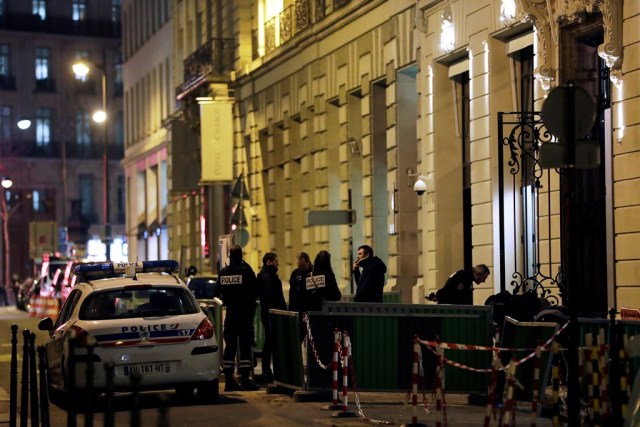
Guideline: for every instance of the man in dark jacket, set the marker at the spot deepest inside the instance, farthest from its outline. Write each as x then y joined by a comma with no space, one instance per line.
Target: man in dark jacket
271,296
369,283
238,289
459,287
298,283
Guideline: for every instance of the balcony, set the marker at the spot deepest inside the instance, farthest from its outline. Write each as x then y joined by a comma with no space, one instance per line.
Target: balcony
45,85
213,59
7,82
292,20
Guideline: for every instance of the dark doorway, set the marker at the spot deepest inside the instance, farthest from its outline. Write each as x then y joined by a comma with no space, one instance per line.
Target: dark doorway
582,191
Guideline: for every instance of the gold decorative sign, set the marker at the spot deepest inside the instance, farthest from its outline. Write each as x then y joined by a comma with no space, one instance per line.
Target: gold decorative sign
216,133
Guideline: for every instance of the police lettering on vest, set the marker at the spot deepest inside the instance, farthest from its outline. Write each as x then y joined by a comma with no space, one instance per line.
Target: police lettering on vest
315,282
231,280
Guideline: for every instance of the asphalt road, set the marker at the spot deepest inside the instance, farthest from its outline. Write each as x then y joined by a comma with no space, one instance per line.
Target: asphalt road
257,408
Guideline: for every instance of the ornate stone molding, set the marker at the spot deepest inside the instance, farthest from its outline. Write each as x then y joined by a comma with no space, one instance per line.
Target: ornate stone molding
547,14
611,49
539,14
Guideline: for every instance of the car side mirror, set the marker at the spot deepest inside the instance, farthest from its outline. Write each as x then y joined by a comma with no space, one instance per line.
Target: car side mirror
46,324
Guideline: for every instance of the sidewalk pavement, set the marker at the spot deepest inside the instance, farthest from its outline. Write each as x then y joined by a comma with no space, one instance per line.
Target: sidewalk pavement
375,408
380,408
4,406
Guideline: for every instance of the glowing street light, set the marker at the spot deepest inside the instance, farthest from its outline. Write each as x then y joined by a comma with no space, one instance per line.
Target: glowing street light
99,116
24,123
7,182
80,69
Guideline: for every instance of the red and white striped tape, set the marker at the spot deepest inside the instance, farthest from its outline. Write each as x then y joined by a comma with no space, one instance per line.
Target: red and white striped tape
312,343
454,346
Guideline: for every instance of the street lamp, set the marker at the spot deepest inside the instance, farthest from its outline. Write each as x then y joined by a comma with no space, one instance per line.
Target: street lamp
81,69
24,123
7,183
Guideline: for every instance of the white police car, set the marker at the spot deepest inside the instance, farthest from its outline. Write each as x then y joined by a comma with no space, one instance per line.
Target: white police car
139,317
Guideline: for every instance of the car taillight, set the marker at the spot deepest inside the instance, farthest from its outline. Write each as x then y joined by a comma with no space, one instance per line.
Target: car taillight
204,331
81,337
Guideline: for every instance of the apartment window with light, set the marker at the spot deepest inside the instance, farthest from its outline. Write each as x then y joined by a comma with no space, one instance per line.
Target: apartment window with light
120,129
39,7
269,25
5,123
43,57
43,126
85,193
40,200
83,127
119,75
79,10
116,11
4,60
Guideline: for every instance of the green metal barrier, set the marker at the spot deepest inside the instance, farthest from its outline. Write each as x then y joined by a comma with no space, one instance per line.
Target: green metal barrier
287,350
214,314
382,341
392,297
258,332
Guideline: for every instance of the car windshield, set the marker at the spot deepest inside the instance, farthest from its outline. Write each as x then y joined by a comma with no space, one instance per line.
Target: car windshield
203,287
148,302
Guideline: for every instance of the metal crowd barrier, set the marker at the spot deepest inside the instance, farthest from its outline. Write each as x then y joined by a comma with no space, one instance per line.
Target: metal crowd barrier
382,337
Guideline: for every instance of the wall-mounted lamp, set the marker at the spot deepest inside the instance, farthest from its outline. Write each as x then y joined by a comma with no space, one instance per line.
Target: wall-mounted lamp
353,146
7,182
447,31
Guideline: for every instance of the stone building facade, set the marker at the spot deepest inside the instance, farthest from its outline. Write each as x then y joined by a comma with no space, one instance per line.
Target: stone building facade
343,105
149,103
57,164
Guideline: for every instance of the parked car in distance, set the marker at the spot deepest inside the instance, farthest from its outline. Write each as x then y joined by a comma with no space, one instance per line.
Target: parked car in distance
143,319
203,287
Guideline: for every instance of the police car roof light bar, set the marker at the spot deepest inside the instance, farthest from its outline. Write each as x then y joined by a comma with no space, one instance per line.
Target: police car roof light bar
103,270
94,270
162,266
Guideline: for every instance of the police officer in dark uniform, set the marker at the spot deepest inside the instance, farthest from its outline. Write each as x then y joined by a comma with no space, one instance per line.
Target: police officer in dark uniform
298,284
238,289
271,296
321,284
459,287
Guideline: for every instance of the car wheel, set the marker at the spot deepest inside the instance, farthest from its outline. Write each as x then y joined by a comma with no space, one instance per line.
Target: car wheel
208,392
184,392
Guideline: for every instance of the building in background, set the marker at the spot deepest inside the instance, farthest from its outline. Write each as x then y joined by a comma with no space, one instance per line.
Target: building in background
149,102
57,164
342,105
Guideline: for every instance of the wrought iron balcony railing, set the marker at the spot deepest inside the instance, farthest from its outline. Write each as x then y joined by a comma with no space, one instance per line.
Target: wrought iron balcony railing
45,85
215,57
7,82
294,19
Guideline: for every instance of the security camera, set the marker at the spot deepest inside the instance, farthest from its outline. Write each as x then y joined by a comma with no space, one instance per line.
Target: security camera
420,187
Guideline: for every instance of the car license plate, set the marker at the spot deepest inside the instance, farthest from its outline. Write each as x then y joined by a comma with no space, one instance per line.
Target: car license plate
152,368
